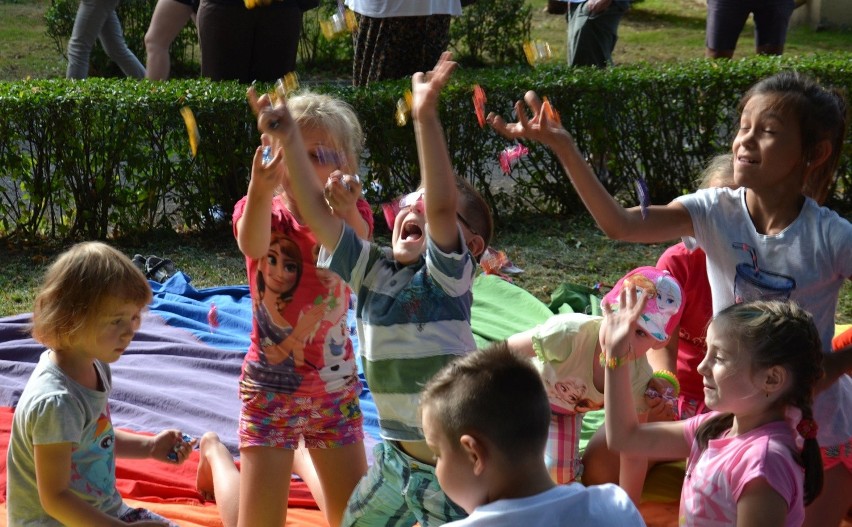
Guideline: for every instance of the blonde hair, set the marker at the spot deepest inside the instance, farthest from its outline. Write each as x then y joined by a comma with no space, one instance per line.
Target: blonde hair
78,286
719,172
336,117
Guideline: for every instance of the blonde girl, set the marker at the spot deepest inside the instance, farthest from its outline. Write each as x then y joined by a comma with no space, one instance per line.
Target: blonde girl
292,396
62,449
769,238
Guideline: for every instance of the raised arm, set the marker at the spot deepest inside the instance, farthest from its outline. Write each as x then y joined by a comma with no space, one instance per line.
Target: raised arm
306,190
624,433
436,170
663,222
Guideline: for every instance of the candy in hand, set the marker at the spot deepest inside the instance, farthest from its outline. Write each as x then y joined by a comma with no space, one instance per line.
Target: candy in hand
173,456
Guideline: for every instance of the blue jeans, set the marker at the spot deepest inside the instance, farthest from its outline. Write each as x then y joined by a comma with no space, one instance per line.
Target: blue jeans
96,19
398,491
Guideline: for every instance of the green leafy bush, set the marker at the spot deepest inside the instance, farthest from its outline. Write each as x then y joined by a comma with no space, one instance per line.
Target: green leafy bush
103,157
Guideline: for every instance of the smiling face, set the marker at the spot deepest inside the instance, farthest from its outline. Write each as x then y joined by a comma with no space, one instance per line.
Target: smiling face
109,333
768,147
729,382
282,267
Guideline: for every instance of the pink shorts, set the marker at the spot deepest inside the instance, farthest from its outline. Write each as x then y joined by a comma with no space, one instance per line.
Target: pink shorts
837,455
280,420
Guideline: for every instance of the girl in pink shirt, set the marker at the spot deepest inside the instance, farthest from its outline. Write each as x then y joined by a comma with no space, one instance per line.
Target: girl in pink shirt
744,467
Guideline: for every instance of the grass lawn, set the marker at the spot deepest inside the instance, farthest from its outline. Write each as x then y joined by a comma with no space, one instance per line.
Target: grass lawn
550,250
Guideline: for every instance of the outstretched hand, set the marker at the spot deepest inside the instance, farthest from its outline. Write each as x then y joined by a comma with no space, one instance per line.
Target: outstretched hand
426,87
542,127
274,120
619,325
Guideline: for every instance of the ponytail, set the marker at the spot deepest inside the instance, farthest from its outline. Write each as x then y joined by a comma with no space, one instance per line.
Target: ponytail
810,457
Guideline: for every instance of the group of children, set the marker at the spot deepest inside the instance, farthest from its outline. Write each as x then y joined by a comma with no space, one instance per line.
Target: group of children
492,438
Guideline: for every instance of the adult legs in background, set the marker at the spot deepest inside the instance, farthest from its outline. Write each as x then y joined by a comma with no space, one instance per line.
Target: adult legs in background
169,18
96,19
771,21
592,36
248,44
725,22
393,48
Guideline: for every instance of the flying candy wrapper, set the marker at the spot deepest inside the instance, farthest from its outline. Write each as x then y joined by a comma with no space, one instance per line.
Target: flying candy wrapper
191,129
284,87
403,108
340,23
479,104
644,197
510,156
536,51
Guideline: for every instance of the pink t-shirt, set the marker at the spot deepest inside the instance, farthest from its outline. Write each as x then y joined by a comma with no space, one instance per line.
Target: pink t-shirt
690,269
300,341
716,477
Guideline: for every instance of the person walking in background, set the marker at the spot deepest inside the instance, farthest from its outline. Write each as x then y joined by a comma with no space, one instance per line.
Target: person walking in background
726,19
247,45
397,38
593,31
97,20
169,18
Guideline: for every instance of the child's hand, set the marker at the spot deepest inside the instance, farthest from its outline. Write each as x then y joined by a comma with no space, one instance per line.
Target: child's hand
170,442
342,192
267,176
541,127
273,120
426,88
660,400
619,326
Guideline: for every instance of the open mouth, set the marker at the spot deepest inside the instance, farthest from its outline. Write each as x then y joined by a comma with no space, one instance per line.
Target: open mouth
742,159
411,232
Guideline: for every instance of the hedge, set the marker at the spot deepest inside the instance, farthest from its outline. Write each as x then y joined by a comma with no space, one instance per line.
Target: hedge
105,157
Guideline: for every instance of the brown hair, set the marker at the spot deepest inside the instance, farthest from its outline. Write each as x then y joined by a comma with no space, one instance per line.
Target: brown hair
777,333
822,114
475,211
495,393
78,286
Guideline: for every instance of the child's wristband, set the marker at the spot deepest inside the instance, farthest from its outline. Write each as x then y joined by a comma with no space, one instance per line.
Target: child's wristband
666,375
612,362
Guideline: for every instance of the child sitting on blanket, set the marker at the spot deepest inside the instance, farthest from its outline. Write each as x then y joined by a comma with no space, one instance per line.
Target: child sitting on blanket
414,301
62,449
493,466
567,351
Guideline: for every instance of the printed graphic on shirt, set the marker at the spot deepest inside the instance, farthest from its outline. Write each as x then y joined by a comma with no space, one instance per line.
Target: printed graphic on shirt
93,460
753,283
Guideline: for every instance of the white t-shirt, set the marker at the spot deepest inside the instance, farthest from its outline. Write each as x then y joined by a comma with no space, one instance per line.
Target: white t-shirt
808,262
396,8
595,506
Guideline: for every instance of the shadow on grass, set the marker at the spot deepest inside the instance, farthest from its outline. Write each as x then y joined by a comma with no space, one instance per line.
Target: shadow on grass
641,17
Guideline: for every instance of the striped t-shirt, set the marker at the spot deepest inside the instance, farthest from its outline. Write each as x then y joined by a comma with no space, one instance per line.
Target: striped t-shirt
412,320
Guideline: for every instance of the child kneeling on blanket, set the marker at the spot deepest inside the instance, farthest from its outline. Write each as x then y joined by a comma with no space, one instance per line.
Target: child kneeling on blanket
492,466
62,450
566,350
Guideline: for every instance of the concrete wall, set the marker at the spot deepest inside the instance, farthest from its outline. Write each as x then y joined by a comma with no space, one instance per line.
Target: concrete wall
817,14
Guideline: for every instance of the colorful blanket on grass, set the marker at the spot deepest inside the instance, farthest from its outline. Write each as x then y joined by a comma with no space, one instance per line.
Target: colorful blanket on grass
179,372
